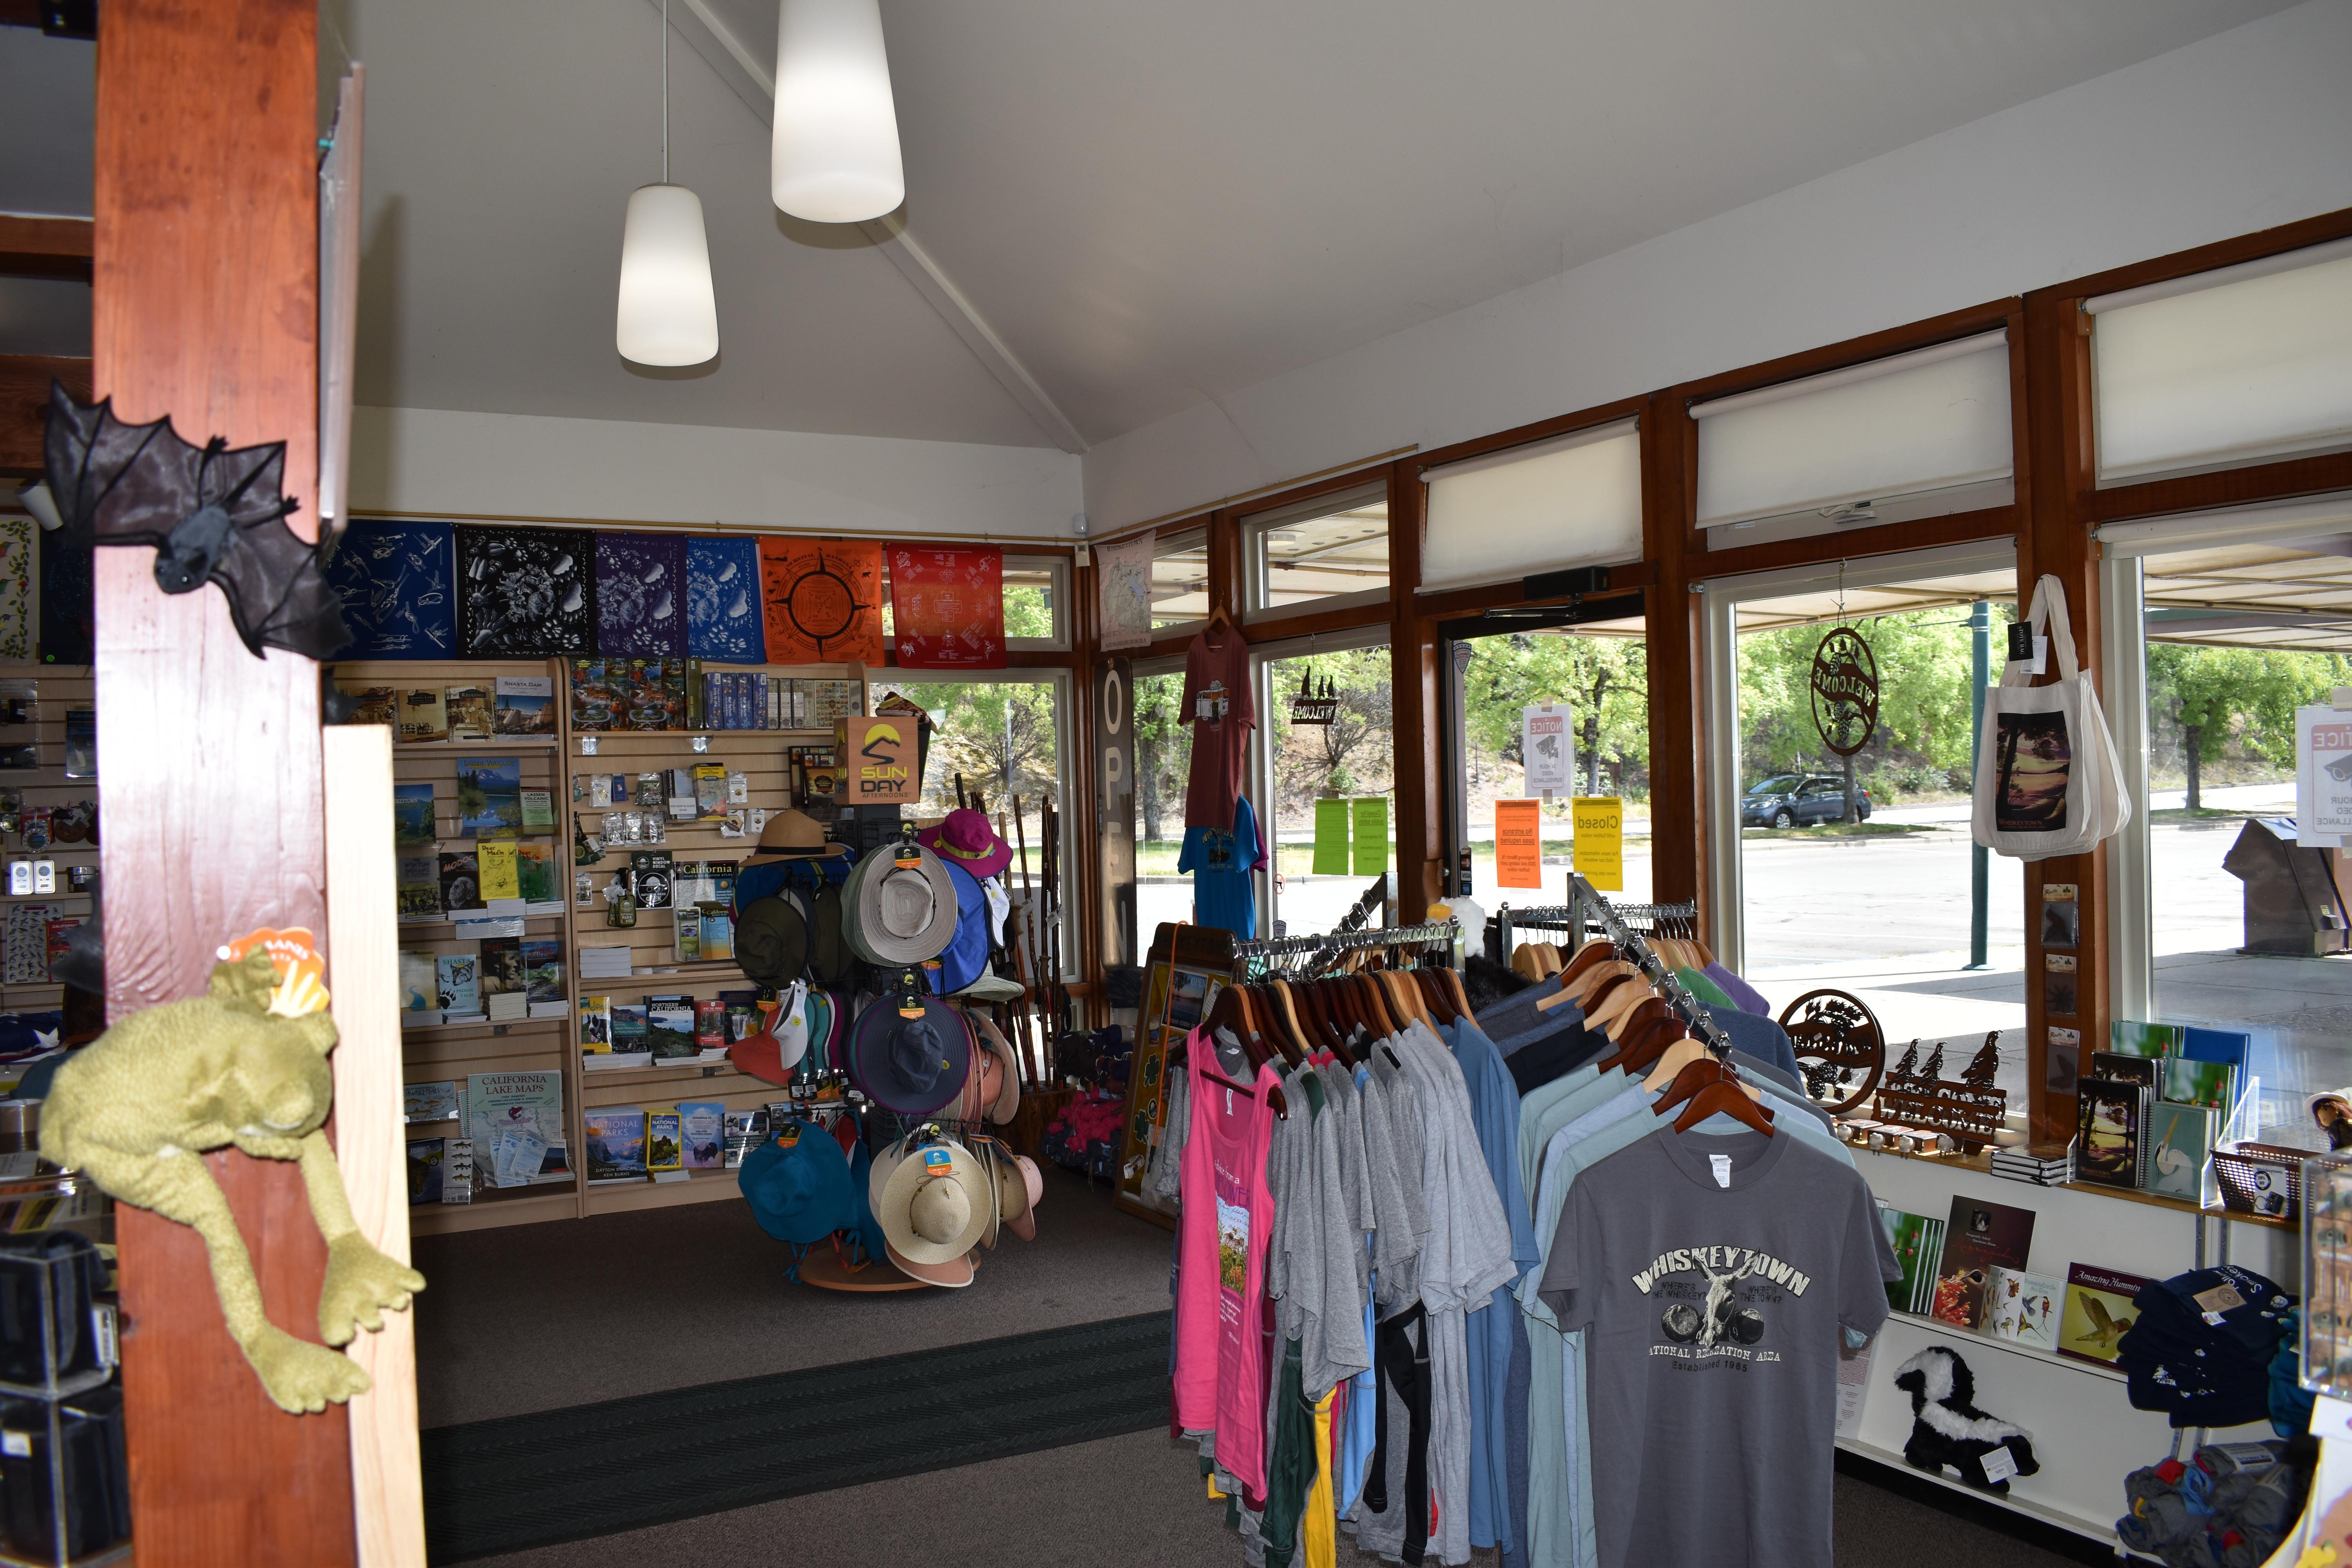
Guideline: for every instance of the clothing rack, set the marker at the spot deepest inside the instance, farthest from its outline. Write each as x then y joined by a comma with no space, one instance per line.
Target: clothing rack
1588,908
1249,957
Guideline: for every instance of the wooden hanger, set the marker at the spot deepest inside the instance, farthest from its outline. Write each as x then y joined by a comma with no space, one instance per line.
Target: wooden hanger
1622,1000
1526,962
1671,1060
1588,986
1644,1043
1453,981
1606,986
1649,1008
1709,1086
1434,995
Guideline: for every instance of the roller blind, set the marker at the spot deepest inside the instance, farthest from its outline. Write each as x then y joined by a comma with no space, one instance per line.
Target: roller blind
1572,502
1930,420
2235,366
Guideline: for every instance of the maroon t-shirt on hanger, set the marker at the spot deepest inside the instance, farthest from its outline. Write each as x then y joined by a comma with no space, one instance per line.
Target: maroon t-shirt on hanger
1218,705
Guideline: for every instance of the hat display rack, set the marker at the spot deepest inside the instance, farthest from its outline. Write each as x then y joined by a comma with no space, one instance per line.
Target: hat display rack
1589,912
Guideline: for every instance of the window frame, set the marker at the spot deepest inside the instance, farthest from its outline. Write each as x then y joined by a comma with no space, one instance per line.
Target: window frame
1056,569
1257,574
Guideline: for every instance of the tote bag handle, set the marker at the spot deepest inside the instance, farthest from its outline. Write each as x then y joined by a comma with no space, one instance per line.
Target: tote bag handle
2047,615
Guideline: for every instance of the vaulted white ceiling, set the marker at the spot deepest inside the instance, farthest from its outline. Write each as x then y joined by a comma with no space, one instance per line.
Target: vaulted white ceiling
1127,209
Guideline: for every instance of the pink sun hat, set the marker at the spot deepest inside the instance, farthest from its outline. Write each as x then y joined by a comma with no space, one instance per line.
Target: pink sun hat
965,839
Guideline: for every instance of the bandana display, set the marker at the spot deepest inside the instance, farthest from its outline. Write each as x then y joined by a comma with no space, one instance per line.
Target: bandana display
397,581
641,594
722,600
822,601
1123,592
525,593
948,606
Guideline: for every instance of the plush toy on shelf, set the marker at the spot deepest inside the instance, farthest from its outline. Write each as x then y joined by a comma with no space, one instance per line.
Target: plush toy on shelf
1947,1428
244,1065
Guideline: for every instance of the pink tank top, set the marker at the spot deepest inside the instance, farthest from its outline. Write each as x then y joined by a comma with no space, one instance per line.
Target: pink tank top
1228,1214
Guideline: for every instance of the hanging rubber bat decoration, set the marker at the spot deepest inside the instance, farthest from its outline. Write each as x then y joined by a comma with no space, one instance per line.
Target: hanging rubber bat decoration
213,515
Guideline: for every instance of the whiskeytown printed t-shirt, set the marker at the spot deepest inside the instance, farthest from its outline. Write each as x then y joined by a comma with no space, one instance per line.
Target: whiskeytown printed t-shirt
1712,1276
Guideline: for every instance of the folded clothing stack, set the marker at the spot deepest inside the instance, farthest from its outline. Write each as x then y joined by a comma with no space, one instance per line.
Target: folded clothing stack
2201,1345
2227,1508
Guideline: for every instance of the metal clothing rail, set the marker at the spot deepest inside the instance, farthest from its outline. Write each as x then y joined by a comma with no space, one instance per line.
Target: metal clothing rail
1587,905
1432,934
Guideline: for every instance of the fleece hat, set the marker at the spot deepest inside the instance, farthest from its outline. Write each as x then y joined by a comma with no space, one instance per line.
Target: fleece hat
797,1184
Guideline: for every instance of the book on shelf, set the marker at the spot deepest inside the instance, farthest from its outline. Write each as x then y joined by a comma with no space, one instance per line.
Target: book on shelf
2200,1044
420,981
490,797
1918,1241
649,878
1979,1237
460,976
2022,1308
424,1169
418,886
2122,1068
631,1033
538,810
616,1144
687,942
439,1101
461,880
709,1024
745,1130
501,970
703,882
526,705
742,1011
411,816
518,1156
669,1027
2181,1139
604,962
469,709
501,873
596,1024
458,1169
597,699
543,969
2098,1312
2211,1086
710,792
617,1061
561,1007
665,1143
373,705
2127,1037
2052,1166
535,874
2112,1132
702,1133
506,1007
718,932
424,714
498,1102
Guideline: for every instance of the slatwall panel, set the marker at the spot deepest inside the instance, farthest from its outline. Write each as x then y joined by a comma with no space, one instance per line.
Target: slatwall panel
760,756
456,1051
60,686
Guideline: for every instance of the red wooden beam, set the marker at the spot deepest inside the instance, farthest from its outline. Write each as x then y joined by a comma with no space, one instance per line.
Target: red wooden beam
46,247
25,405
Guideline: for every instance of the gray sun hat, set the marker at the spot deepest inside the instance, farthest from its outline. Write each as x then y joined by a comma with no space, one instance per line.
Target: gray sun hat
896,913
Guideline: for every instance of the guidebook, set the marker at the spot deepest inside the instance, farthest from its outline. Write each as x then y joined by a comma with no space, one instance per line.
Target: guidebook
524,1101
616,1144
1918,1241
490,797
2097,1312
1979,1237
411,816
526,705
702,1128
2021,1306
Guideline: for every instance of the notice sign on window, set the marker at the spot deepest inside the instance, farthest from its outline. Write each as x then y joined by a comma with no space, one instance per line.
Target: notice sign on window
1331,837
1600,843
2323,775
1371,828
1544,747
1518,844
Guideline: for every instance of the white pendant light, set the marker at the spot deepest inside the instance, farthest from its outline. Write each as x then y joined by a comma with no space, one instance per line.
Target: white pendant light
668,314
836,143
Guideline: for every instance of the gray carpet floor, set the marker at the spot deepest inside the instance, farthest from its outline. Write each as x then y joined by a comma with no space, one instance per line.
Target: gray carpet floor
1137,1502
541,1316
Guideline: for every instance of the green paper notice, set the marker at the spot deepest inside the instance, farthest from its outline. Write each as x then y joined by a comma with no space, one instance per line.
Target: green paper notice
1330,838
1371,835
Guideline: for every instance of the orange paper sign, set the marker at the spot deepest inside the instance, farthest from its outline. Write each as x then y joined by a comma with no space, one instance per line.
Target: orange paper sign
302,968
1518,844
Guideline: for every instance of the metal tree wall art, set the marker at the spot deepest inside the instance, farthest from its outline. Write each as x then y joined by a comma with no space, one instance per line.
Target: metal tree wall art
1839,1048
1845,691
1968,1111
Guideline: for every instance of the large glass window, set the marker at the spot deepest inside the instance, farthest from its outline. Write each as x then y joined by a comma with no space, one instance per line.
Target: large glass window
1180,578
1859,872
1322,554
1163,760
1600,673
2237,926
1352,759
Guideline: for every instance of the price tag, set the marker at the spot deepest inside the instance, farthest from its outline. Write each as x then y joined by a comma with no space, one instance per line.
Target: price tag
2000,1464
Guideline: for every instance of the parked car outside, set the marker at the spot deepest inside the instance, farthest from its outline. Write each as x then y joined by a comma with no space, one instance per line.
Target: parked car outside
1800,800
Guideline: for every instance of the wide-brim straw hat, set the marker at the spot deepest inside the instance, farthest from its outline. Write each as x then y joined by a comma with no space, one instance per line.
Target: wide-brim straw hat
936,1202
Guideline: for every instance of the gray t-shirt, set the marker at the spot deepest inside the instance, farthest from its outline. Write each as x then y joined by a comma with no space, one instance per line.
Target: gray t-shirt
1711,1355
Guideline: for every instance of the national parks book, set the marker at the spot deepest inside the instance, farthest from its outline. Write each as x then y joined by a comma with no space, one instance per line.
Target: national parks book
616,1144
663,1144
702,1128
1979,1237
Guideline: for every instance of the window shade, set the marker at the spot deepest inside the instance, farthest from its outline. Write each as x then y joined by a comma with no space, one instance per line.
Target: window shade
1934,419
2255,366
1573,501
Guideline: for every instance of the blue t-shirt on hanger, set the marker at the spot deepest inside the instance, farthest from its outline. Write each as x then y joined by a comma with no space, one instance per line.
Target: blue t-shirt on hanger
1224,894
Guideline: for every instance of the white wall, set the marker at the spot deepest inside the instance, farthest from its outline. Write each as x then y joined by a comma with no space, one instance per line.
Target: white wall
2243,131
436,461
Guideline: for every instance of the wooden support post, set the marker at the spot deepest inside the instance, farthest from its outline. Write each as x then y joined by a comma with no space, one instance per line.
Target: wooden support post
1678,807
1420,767
206,308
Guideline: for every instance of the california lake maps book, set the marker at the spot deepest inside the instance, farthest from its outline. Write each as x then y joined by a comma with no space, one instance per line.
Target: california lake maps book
497,1100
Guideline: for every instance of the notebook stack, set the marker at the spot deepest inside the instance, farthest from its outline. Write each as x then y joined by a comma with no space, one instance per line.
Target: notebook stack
2043,1165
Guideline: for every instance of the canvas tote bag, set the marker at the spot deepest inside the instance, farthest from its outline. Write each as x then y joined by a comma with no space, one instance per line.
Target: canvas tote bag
2049,779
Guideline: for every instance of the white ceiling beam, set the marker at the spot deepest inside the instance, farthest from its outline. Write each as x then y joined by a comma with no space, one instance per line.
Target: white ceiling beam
749,75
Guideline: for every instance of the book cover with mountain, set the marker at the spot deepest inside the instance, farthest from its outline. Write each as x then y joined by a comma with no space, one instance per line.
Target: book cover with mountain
2098,1313
1979,1237
669,1027
411,816
616,1144
490,797
543,969
702,1129
526,705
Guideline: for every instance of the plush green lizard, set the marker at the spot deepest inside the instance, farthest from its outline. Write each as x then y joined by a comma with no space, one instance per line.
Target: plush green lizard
138,1106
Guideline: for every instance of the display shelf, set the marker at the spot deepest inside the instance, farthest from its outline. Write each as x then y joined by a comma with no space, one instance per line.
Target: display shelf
1982,1164
1893,1459
511,742
685,1072
58,690
1969,1336
528,1206
624,1198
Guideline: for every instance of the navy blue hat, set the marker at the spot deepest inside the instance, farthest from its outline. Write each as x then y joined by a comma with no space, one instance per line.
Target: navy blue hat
967,951
797,1184
911,1065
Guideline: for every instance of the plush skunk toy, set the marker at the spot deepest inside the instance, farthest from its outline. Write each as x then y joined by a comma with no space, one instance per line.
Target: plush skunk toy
1947,1428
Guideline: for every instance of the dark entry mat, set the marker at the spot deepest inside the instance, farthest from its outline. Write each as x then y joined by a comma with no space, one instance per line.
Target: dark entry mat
597,1469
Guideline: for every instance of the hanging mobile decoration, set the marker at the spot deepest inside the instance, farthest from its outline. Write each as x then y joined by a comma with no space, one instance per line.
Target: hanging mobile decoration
1311,706
1845,691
